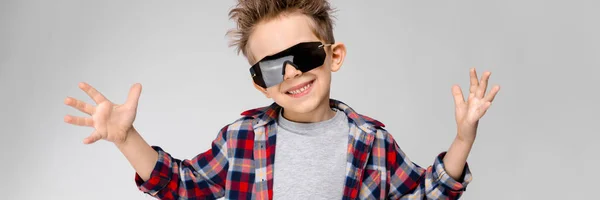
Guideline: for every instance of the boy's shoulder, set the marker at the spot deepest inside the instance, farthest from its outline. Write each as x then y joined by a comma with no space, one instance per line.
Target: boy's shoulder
372,121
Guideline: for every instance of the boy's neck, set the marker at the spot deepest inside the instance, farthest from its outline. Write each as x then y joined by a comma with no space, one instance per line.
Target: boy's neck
320,113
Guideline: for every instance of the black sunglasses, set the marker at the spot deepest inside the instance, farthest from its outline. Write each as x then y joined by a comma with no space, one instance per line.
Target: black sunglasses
305,56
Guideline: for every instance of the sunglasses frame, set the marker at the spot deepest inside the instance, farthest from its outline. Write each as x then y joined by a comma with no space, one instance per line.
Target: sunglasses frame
256,72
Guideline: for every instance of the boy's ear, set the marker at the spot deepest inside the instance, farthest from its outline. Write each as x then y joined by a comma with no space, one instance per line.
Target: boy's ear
263,90
338,53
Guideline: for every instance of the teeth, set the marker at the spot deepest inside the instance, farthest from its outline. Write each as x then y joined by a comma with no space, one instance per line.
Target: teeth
300,90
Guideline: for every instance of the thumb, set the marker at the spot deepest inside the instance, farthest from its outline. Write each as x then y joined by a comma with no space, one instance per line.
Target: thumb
458,95
92,138
134,95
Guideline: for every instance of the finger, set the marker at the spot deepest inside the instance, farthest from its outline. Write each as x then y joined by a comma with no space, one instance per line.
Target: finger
484,108
80,105
490,96
458,95
134,95
79,121
474,81
92,138
471,96
92,92
483,84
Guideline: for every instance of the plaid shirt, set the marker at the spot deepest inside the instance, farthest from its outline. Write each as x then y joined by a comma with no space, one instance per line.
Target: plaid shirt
240,164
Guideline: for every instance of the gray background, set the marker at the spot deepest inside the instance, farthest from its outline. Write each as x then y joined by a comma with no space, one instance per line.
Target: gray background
536,142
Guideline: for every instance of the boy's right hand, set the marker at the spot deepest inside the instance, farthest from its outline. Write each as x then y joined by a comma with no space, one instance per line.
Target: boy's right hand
112,122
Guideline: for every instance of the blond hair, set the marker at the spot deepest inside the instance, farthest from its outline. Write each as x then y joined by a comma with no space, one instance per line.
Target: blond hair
248,13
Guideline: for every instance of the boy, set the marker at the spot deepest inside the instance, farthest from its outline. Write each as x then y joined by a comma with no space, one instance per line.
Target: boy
304,145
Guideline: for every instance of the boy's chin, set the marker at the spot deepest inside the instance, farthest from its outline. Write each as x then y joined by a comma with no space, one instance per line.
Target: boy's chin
306,106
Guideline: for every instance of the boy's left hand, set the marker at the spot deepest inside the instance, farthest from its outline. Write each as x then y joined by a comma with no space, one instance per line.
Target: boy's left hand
469,112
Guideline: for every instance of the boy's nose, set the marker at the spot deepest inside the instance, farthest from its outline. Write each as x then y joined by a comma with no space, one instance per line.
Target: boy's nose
291,72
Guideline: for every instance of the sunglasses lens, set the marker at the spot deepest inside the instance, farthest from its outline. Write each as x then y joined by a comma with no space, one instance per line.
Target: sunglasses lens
309,56
272,70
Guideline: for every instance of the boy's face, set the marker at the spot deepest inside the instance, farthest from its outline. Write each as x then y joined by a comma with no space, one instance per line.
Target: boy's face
299,92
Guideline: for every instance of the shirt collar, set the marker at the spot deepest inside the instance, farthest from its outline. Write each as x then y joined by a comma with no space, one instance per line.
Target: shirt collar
266,115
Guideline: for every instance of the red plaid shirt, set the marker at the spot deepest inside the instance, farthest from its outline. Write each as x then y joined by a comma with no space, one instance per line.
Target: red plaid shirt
240,164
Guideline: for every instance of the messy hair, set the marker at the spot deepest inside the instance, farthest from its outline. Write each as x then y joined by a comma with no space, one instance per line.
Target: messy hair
248,13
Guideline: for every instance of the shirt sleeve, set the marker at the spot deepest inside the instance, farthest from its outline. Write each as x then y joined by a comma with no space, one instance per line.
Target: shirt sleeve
202,177
408,180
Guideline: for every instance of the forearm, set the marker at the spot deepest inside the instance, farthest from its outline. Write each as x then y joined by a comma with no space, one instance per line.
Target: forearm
139,154
409,181
456,157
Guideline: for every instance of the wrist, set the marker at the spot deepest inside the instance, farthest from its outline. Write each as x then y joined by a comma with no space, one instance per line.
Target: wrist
466,133
462,141
129,134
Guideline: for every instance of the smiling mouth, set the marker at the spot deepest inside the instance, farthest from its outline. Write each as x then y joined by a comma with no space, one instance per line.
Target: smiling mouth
300,90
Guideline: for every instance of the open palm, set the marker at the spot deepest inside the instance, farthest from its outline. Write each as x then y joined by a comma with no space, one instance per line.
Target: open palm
469,112
111,121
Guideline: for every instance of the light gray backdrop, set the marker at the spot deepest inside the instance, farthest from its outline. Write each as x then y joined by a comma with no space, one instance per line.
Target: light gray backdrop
538,141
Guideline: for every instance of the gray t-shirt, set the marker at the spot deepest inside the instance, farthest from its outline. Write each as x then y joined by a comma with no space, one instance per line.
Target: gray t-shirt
310,158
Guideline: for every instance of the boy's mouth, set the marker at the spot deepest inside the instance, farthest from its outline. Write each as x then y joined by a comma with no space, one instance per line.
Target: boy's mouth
300,89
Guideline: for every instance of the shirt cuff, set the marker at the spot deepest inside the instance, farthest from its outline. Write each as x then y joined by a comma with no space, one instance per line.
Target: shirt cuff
441,177
160,176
